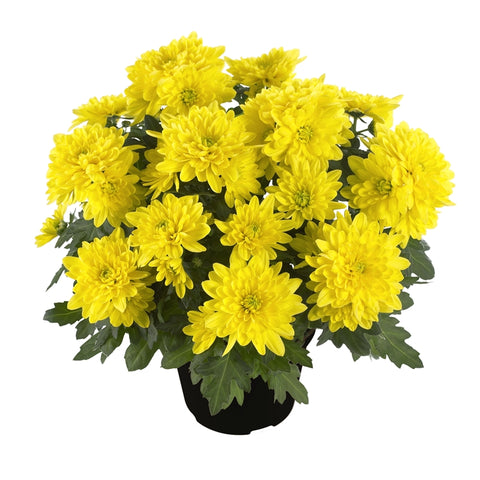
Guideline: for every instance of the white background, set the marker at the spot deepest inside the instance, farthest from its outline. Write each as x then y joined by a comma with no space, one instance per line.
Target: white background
62,419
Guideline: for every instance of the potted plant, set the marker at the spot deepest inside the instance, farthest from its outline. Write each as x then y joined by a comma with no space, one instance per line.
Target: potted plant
223,213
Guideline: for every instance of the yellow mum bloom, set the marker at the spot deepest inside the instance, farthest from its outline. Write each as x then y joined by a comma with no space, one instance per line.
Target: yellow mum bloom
269,70
377,107
310,130
98,110
201,144
172,272
189,86
307,244
255,229
156,181
306,193
165,228
86,155
52,227
155,66
251,303
203,337
108,282
403,182
110,198
273,102
240,177
262,130
357,274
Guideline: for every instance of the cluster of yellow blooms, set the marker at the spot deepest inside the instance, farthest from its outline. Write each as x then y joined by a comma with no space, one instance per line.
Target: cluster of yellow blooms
277,165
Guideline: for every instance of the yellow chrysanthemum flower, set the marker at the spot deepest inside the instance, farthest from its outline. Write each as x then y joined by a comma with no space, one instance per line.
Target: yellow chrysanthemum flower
189,86
110,198
377,107
306,193
403,182
98,110
86,155
309,129
52,227
155,66
109,283
251,303
165,228
156,181
171,271
261,130
240,177
357,274
307,244
273,102
201,144
203,337
269,70
255,229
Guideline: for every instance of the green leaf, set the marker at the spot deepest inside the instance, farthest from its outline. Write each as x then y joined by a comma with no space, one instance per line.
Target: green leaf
218,375
406,300
62,315
138,355
355,341
288,382
89,349
420,263
112,343
297,354
85,329
79,230
325,336
391,342
56,277
179,356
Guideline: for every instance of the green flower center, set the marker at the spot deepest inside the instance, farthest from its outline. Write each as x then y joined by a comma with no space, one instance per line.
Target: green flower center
251,303
359,267
302,198
208,141
188,96
384,187
162,225
256,229
108,188
304,134
107,275
172,270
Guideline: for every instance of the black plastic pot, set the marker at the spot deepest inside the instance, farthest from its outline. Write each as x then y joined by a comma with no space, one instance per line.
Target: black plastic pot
259,410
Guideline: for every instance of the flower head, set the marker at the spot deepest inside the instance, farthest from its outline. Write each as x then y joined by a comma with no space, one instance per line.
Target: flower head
201,144
111,198
156,66
89,154
403,182
203,337
52,227
165,228
251,303
156,181
109,283
189,86
269,70
310,123
357,273
306,193
377,107
99,110
255,229
171,271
